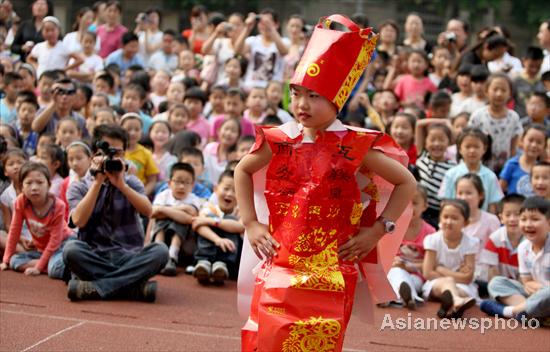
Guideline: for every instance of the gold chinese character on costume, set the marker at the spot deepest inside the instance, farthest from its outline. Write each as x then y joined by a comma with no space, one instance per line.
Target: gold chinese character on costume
316,334
333,212
314,210
282,208
356,213
295,211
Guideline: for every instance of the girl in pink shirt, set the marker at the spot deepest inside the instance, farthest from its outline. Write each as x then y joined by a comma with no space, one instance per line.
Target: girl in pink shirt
412,87
44,214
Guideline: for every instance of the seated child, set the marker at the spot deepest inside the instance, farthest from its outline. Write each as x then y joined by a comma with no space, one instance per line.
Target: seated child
531,294
500,251
449,261
173,212
540,179
219,241
45,215
193,156
405,276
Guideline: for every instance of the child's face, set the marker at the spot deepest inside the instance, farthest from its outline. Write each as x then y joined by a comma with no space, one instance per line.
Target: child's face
466,191
442,112
194,161
478,87
194,106
419,205
97,102
50,32
13,89
533,143
133,127
417,65
498,92
12,166
131,101
532,67
243,148
216,100
178,119
130,49
160,82
104,118
459,123
78,160
43,141
229,132
175,92
160,135
402,131
181,184
88,44
437,142
534,225
233,69
388,102
45,158
536,108
274,94
45,87
464,83
35,187
311,109
540,180
67,132
510,217
257,100
25,114
225,191
186,60
101,86
472,150
440,58
233,106
451,220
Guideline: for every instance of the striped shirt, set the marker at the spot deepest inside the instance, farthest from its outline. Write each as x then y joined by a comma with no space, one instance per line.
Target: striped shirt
499,252
431,176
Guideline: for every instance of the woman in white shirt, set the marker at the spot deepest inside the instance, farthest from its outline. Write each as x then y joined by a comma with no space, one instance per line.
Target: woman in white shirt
72,41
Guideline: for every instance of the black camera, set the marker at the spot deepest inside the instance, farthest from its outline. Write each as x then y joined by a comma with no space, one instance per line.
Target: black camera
110,164
450,37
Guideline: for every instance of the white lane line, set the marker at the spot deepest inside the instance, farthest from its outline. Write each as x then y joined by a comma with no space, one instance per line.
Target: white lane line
100,322
53,335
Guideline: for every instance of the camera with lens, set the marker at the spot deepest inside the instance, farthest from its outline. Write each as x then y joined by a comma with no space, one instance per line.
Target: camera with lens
450,37
110,164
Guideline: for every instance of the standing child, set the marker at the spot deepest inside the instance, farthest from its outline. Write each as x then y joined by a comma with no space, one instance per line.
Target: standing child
449,262
133,97
244,145
173,213
531,294
441,61
412,87
178,117
45,215
215,106
405,276
55,160
514,177
140,157
218,154
67,131
274,93
234,106
464,83
402,130
500,251
219,241
194,102
159,85
256,103
499,122
26,111
92,62
473,146
540,179
79,158
478,99
233,69
538,111
160,134
314,241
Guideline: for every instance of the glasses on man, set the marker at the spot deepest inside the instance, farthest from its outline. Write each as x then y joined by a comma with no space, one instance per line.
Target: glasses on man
62,91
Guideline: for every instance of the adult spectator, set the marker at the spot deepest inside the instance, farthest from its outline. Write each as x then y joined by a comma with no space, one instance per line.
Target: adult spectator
295,29
99,8
165,58
198,33
60,107
109,259
110,33
126,56
544,40
29,32
389,33
414,29
84,19
149,34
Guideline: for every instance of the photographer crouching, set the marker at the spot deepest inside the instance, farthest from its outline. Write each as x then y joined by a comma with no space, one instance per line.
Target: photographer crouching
108,259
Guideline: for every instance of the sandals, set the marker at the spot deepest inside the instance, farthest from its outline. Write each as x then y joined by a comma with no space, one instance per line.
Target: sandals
406,296
446,304
460,311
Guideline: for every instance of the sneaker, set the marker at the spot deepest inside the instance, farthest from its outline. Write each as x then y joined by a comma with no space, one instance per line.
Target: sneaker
145,291
219,273
406,296
190,269
80,290
446,304
460,311
492,308
170,268
202,272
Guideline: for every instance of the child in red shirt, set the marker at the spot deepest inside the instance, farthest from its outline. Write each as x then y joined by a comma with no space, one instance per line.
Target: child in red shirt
45,217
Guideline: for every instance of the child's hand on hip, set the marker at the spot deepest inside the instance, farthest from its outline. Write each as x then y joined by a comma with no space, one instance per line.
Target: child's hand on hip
263,244
357,247
32,272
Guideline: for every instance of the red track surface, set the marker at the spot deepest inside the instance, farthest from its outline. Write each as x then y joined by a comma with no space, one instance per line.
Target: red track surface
36,315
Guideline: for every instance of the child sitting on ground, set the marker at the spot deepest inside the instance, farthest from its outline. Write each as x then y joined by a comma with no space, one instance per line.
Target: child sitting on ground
219,241
173,212
449,261
531,294
500,251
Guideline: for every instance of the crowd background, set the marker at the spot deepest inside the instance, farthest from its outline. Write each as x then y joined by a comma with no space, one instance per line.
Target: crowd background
470,107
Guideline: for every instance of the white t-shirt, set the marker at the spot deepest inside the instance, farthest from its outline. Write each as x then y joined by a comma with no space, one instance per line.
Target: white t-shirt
223,51
536,265
504,62
452,259
165,198
160,61
50,58
71,42
483,228
456,105
212,166
471,104
154,39
7,199
91,64
265,64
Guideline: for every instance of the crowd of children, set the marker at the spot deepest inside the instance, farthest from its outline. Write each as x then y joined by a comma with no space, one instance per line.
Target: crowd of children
477,136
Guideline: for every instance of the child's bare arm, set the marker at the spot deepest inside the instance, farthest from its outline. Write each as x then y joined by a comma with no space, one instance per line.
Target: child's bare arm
428,267
6,215
420,130
225,244
493,271
150,184
147,238
531,286
514,145
465,274
178,215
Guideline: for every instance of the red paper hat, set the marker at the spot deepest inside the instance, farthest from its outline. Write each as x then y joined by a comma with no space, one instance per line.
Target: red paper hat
333,60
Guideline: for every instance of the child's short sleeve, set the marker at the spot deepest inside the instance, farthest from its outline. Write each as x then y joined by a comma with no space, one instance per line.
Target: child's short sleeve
494,192
489,254
430,242
151,167
472,245
507,171
523,252
161,198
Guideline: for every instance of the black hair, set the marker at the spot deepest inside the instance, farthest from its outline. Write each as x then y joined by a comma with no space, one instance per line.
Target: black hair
246,139
409,117
545,77
496,41
234,92
163,106
114,3
79,14
536,204
440,126
107,78
169,32
129,37
195,93
189,82
88,92
90,34
141,78
361,19
535,126
182,140
157,11
465,70
111,131
56,153
10,77
31,166
192,152
136,88
545,98
478,185
439,99
465,24
113,69
29,100
512,198
270,11
271,120
51,74
215,18
179,166
197,10
540,163
218,87
479,73
476,133
227,173
460,204
534,53
503,76
392,24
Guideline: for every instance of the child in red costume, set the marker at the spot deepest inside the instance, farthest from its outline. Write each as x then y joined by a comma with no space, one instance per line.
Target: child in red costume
324,183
